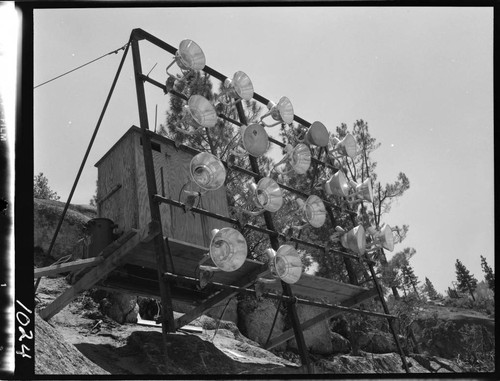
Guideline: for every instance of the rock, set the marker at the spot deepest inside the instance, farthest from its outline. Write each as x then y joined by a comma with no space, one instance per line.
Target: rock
46,216
339,343
230,311
255,319
53,355
377,342
122,308
368,363
318,337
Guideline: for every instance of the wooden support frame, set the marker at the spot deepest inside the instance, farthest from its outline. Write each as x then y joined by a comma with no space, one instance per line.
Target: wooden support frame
68,266
287,335
161,244
121,250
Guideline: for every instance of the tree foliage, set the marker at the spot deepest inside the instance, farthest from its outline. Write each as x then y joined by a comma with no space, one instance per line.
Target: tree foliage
41,188
489,275
466,282
430,290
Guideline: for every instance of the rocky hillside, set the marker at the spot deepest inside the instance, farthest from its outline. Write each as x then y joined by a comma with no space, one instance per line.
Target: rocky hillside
104,333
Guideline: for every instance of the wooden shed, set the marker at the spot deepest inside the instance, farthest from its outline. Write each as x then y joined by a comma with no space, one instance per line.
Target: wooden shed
122,190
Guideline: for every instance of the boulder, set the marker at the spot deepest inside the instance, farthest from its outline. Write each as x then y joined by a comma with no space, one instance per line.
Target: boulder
318,338
377,342
122,308
255,319
339,343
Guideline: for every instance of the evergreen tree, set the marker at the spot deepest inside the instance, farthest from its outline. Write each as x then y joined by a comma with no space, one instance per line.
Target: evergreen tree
429,289
465,281
41,188
409,278
489,274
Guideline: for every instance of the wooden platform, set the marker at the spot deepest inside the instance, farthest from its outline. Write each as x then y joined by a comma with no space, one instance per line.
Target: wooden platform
186,257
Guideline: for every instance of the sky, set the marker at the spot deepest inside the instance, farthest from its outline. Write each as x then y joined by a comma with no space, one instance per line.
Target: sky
422,78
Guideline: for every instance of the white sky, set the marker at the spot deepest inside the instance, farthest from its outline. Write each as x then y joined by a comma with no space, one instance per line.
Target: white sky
421,77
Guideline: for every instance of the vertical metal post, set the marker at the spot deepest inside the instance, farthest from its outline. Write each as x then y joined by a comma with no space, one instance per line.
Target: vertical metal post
390,321
287,290
161,246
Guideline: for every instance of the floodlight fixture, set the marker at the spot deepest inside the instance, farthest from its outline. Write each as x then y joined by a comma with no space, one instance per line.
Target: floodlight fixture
189,57
354,239
298,158
198,113
254,141
281,112
317,135
346,147
228,250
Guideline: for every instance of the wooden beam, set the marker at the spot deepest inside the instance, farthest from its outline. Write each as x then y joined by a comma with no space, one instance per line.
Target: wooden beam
287,335
196,312
68,266
92,277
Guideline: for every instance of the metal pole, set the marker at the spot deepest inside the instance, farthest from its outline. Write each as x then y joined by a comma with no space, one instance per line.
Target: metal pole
390,321
161,246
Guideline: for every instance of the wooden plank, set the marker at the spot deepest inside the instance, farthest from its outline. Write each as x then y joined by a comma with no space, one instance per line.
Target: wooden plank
68,266
288,335
312,287
91,278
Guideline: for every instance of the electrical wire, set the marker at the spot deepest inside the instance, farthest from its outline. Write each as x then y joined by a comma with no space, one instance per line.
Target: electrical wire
79,67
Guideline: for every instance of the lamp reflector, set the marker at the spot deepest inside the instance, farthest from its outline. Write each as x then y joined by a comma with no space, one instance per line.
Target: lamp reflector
347,146
254,139
384,238
267,194
285,264
300,158
285,110
317,135
190,56
364,190
240,86
207,171
355,240
228,249
201,113
337,185
314,210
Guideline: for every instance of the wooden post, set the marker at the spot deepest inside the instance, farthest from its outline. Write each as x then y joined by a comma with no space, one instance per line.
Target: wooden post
161,245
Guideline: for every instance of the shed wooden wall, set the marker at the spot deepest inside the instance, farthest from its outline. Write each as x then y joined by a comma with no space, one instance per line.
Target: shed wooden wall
129,207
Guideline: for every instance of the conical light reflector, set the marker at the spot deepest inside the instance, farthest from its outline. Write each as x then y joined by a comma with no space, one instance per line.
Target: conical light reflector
337,185
228,249
317,135
267,194
364,190
201,113
300,158
355,240
207,171
240,86
384,238
190,56
314,210
285,110
285,264
254,139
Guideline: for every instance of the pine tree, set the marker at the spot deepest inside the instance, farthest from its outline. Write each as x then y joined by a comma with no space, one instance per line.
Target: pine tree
41,188
429,288
489,275
409,278
465,280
